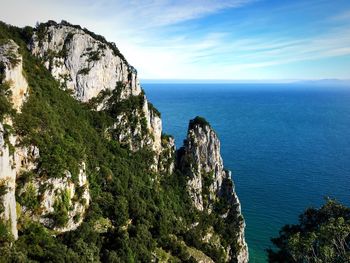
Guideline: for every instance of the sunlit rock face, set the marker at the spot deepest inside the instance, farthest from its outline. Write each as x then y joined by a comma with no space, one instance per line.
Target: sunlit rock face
200,160
12,158
13,73
8,181
16,160
82,63
90,67
87,65
62,198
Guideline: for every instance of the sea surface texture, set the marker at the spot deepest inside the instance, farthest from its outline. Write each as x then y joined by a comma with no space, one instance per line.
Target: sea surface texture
288,146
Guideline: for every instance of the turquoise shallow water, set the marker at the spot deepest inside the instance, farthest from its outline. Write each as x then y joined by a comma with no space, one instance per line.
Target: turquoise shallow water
287,145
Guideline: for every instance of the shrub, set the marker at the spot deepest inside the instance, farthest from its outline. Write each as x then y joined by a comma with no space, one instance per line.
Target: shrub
84,71
198,121
322,235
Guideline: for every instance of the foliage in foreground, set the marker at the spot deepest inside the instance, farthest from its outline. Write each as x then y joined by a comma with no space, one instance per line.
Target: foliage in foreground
322,235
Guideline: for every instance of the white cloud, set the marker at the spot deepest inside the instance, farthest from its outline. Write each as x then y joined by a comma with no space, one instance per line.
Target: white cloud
344,16
152,36
136,26
156,13
216,56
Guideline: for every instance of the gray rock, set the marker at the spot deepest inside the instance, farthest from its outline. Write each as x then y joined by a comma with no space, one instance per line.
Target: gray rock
87,66
83,64
200,160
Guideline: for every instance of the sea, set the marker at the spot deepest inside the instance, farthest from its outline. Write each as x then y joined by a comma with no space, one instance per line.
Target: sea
287,145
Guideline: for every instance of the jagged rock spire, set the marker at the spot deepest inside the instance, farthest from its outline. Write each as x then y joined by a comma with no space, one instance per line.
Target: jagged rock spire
200,160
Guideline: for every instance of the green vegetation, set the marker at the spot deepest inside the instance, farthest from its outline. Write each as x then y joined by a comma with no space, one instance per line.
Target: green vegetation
207,181
5,104
153,109
10,54
61,208
133,213
29,197
130,110
84,71
198,121
93,55
3,191
5,94
322,235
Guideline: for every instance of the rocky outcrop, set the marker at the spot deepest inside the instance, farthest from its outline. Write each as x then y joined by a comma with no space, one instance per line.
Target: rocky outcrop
13,73
90,66
200,160
154,125
138,125
82,63
16,160
167,157
11,158
100,77
63,200
8,184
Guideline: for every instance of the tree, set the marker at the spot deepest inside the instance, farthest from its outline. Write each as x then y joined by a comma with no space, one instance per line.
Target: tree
322,235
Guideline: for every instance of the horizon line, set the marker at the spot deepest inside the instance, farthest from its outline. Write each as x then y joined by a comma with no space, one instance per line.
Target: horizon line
247,81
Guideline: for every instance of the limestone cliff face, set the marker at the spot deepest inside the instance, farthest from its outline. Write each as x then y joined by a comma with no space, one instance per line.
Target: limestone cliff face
13,73
98,75
201,161
82,63
11,158
138,126
58,195
167,157
16,159
89,65
8,183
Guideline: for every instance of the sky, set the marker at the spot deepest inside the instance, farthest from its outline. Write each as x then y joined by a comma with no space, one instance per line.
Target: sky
211,39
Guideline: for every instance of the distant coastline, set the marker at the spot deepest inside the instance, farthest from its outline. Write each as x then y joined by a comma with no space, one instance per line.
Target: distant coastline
322,82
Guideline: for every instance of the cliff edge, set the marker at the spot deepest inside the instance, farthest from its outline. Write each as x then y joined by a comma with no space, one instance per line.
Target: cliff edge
209,184
86,170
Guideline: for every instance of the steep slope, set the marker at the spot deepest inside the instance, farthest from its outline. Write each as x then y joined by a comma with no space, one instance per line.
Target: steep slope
13,87
209,184
82,61
89,66
18,159
85,171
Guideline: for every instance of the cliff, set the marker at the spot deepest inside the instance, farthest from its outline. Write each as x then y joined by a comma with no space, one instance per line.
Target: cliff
17,159
209,184
91,67
83,158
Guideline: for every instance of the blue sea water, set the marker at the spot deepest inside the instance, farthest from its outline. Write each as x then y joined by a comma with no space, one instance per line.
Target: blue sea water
287,145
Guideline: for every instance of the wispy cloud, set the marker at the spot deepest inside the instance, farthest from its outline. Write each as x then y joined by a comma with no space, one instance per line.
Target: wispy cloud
218,52
157,13
343,16
207,38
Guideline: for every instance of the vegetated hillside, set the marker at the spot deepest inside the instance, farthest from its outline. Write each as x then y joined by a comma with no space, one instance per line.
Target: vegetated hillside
85,171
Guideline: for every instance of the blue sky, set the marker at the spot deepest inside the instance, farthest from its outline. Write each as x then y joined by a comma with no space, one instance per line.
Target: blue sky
208,39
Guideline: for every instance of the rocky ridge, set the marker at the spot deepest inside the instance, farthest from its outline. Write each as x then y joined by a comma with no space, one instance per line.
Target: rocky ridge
82,63
201,161
11,158
17,160
90,66
97,74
